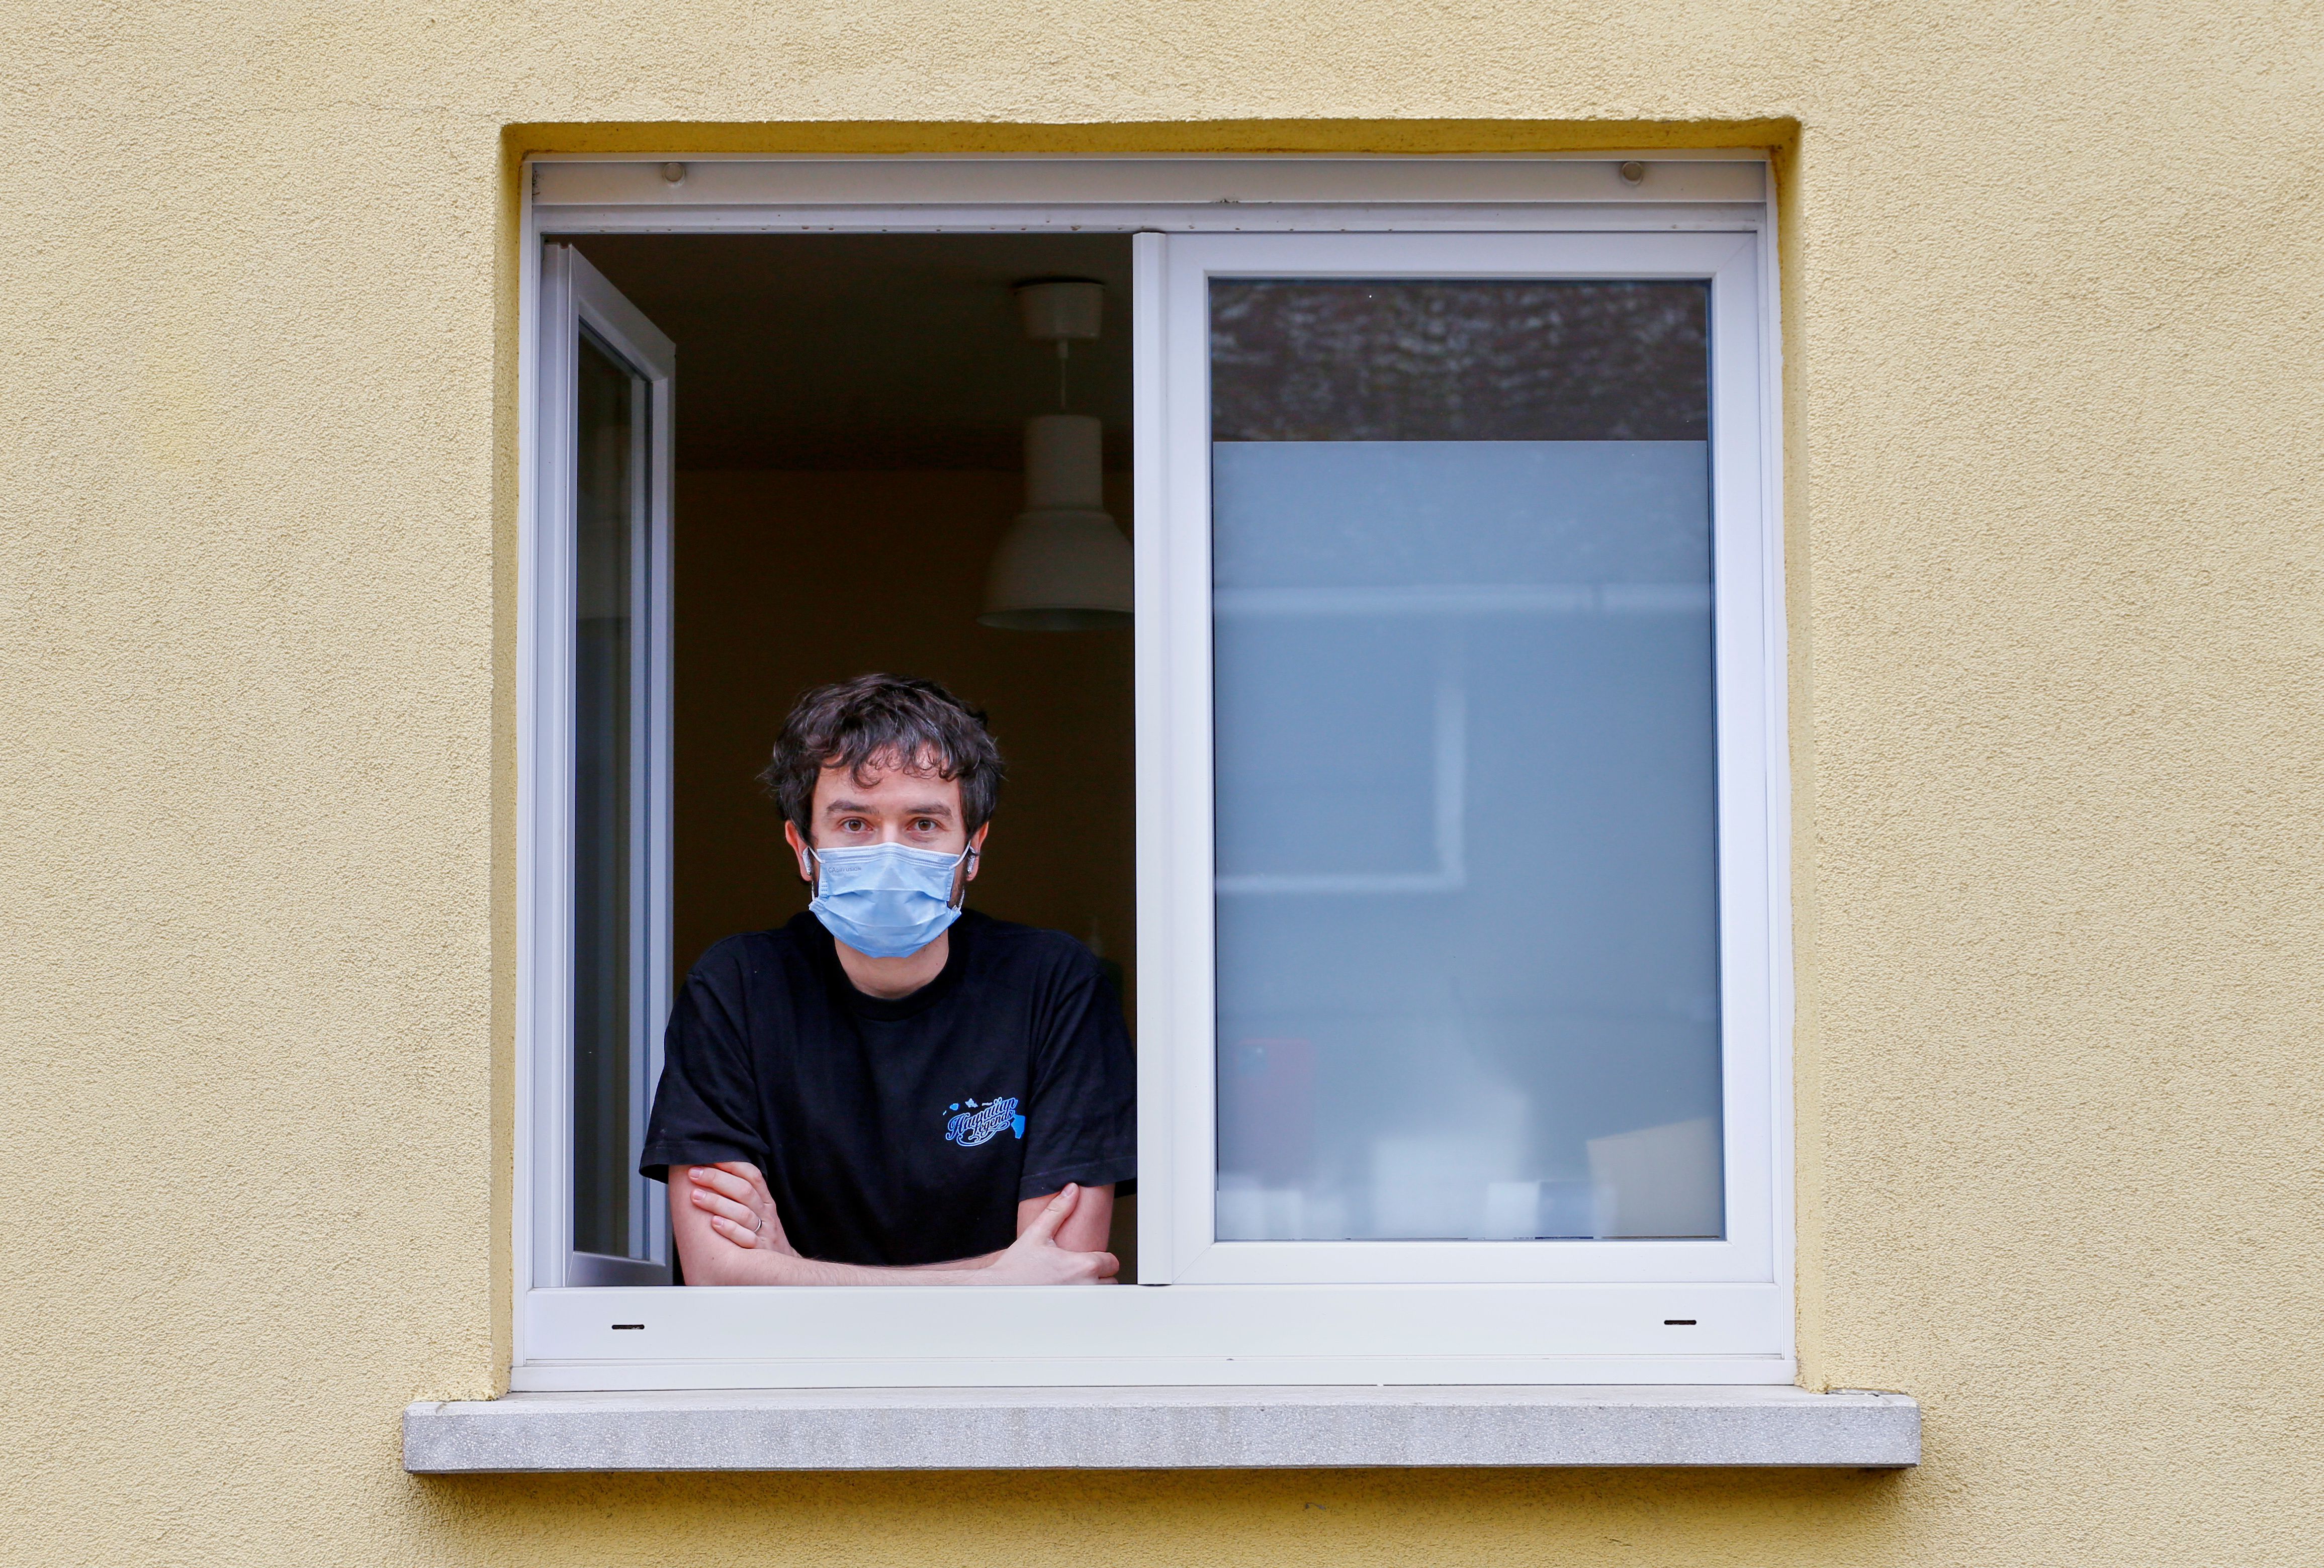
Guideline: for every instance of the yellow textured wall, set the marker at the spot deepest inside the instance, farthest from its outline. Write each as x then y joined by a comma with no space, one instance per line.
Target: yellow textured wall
2056,406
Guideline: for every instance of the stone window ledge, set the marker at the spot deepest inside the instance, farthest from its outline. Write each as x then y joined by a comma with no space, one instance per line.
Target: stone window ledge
1168,1428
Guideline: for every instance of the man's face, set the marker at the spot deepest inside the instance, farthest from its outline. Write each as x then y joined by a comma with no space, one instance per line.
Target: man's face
886,805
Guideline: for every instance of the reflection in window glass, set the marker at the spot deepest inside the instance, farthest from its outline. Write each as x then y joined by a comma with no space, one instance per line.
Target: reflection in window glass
609,522
1468,980
1459,362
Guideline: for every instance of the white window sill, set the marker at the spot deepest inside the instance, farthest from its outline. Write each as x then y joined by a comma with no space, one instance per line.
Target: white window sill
1142,1428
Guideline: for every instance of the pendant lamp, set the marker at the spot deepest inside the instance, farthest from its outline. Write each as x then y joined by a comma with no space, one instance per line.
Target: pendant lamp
1063,565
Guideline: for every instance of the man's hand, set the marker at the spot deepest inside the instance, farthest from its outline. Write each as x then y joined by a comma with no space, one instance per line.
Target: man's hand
1035,1259
733,1194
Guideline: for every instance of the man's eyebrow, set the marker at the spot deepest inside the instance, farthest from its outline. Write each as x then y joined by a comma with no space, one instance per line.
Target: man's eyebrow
930,809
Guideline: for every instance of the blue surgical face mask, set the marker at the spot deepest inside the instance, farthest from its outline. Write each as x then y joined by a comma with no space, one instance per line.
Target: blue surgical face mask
886,900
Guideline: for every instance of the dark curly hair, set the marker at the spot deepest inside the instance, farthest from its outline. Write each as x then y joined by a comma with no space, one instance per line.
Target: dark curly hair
884,719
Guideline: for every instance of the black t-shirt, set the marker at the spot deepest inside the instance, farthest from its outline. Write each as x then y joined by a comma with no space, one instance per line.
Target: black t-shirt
904,1131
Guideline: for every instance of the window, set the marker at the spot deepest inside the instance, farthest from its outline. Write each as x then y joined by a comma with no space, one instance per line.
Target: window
1460,813
598,724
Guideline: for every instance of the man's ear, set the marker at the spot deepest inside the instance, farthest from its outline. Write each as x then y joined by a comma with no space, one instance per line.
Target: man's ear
799,848
976,849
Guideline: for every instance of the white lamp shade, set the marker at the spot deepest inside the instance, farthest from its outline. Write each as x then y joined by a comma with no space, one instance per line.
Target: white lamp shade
1059,569
1063,565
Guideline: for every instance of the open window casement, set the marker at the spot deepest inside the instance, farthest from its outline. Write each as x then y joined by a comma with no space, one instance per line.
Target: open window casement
599,722
1461,1006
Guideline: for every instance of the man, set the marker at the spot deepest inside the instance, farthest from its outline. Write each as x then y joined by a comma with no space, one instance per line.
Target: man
892,1089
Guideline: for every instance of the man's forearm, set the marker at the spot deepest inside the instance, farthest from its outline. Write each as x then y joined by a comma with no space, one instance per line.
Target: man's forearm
957,1265
703,1198
728,1232
759,1266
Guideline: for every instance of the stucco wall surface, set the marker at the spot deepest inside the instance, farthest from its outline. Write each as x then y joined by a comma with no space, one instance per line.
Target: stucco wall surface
2055,450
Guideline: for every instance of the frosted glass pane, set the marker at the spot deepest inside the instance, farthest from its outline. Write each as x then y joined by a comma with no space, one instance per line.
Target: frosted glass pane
1468,979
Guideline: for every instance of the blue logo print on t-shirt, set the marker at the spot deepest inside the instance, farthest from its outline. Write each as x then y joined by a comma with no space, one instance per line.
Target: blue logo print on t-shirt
983,1124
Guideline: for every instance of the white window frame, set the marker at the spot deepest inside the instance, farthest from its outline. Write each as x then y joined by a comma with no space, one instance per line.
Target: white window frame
1176,897
1566,1312
573,295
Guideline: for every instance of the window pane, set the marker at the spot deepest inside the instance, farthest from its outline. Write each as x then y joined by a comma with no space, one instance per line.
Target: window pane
606,522
1466,888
